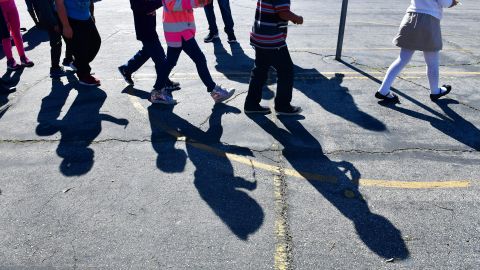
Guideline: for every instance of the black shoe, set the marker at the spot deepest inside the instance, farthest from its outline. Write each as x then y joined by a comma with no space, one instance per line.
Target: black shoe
232,38
57,72
172,86
257,109
291,110
387,98
210,37
126,75
444,90
67,62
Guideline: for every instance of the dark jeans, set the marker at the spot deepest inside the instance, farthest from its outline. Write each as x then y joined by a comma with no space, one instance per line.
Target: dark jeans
151,49
56,48
190,47
85,44
226,15
264,59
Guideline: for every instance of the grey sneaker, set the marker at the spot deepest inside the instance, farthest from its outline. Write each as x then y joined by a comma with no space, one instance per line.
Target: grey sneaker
162,97
220,94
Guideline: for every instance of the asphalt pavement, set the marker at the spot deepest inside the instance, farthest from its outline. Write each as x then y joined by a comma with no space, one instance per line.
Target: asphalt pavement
101,178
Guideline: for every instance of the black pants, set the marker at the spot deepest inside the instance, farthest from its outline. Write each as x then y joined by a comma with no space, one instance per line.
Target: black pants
264,59
151,49
56,48
85,44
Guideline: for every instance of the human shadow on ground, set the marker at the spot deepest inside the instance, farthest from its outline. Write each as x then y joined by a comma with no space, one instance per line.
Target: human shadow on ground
225,193
237,65
78,128
339,185
34,37
326,92
449,122
11,78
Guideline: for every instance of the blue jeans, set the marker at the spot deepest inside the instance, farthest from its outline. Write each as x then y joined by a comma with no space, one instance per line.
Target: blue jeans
226,15
151,49
190,47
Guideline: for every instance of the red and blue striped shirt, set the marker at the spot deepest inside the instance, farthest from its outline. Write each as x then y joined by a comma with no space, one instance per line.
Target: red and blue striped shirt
269,30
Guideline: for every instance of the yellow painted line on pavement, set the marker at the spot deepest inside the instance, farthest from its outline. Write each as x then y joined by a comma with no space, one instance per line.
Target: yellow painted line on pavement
306,175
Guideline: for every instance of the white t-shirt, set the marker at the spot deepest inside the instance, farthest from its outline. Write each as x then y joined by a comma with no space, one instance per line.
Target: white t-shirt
430,7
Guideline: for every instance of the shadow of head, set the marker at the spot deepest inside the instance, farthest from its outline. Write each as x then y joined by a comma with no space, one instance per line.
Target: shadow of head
76,161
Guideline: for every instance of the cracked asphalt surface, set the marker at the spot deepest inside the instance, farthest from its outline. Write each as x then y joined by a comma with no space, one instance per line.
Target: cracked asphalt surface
100,178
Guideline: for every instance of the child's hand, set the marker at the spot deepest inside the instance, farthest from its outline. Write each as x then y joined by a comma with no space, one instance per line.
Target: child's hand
298,20
454,3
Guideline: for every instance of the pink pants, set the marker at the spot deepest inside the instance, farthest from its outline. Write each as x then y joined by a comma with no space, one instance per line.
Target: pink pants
12,19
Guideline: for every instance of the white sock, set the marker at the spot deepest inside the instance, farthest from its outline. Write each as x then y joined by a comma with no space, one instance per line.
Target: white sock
433,62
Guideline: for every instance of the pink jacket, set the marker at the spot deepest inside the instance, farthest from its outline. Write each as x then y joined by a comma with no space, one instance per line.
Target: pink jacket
178,21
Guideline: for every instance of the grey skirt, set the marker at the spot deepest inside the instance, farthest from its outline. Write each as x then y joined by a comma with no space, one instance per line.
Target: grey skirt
420,32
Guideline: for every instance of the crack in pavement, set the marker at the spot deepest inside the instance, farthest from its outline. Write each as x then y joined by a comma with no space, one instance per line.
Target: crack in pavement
270,149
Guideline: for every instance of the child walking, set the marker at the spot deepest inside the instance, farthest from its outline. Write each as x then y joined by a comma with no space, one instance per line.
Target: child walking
48,18
419,31
268,37
10,13
81,35
179,28
145,19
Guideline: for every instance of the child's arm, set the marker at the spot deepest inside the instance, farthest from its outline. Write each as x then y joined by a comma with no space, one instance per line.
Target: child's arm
183,5
62,14
290,16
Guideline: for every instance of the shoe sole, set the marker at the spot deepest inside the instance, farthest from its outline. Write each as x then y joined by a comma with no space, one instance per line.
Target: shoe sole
89,84
257,112
290,114
125,79
226,98
211,40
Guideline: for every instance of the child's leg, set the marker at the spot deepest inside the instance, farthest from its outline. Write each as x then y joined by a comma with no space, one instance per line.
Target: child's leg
13,20
433,61
284,66
258,77
7,48
195,53
395,69
164,70
55,48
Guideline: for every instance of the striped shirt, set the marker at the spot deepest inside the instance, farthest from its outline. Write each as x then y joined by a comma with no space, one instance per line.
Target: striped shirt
269,30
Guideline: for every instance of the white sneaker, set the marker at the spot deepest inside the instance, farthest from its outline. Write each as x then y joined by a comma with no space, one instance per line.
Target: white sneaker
220,94
162,97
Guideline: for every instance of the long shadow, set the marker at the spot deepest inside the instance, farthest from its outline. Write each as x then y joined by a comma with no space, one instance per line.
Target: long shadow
214,175
78,128
34,37
234,65
328,93
378,233
237,65
12,78
335,98
452,125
